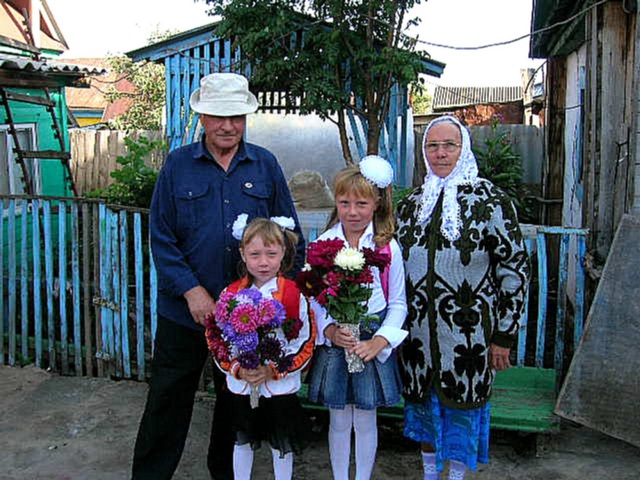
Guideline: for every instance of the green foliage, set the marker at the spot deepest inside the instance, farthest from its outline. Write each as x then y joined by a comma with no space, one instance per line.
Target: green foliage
421,101
499,163
146,99
134,181
339,51
399,193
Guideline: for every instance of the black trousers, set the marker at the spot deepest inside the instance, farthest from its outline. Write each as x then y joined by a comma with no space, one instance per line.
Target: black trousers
179,356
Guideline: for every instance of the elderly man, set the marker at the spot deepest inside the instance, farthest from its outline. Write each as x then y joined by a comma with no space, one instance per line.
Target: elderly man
201,190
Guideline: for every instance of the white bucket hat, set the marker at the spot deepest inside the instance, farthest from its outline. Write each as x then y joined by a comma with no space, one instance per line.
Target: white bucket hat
223,95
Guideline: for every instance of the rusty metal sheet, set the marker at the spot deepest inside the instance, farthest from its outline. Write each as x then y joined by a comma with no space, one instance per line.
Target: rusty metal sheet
602,386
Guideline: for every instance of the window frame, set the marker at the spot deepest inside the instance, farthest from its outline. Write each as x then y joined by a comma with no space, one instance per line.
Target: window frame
12,165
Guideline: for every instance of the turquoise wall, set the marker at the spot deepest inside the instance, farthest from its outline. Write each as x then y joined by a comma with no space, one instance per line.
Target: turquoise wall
52,172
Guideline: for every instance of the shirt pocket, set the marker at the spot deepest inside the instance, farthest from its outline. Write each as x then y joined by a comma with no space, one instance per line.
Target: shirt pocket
191,206
256,198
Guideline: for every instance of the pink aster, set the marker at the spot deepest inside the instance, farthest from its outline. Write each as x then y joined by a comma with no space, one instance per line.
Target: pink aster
266,312
244,318
222,306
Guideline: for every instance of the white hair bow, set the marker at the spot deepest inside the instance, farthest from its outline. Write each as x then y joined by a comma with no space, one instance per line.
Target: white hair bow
237,230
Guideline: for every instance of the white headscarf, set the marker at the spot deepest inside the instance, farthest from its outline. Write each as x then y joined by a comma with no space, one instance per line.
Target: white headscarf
464,173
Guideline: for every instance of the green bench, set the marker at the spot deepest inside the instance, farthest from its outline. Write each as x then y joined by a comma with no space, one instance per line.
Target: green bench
523,400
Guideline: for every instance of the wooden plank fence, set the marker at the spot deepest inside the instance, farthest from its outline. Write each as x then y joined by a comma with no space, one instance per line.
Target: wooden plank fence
94,154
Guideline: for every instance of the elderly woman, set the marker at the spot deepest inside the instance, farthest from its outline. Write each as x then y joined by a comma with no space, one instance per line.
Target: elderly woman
467,275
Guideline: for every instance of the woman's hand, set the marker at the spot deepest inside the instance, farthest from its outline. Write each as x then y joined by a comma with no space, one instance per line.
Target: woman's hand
499,357
256,376
340,337
367,350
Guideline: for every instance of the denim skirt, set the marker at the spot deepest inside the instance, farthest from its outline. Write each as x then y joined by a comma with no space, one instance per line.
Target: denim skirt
333,386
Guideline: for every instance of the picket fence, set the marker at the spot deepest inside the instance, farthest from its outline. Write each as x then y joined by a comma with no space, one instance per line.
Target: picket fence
78,288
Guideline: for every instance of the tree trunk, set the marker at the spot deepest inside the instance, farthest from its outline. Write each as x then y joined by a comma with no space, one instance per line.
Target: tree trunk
373,134
344,138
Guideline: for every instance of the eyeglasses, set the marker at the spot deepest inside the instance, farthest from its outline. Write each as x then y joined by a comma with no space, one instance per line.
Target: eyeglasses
448,146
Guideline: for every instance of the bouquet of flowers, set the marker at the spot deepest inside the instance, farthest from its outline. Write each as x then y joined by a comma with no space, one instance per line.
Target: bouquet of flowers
243,330
339,278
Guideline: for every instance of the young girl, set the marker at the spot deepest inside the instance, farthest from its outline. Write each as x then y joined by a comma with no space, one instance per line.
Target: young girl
363,217
267,250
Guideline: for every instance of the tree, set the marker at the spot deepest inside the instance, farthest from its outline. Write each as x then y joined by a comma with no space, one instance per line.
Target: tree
333,56
147,95
421,101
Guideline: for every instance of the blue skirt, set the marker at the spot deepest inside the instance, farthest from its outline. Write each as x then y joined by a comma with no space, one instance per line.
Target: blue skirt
333,386
461,435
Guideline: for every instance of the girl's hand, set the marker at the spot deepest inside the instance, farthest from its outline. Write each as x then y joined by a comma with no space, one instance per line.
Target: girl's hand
340,337
256,376
367,350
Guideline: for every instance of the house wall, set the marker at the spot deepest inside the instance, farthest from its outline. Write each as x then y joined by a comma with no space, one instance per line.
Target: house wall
636,141
608,168
573,191
52,171
509,113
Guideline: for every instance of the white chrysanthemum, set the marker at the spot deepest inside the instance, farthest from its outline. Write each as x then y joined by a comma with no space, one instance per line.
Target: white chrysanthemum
237,230
284,222
377,170
350,259
306,267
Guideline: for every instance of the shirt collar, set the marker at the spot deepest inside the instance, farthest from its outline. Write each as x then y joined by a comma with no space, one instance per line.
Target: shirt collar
268,288
366,240
243,153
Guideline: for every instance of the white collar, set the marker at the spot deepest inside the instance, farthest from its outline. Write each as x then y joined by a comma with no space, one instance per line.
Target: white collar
366,240
268,288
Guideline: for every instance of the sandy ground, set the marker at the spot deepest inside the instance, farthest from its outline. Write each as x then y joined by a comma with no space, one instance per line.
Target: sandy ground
58,428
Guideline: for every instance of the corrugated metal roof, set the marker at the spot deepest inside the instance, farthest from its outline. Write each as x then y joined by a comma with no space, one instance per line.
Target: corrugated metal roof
15,62
447,97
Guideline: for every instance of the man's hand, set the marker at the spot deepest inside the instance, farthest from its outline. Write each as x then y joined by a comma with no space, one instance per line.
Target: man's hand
499,357
201,304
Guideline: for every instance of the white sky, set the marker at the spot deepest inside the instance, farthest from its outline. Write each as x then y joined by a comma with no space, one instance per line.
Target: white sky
95,28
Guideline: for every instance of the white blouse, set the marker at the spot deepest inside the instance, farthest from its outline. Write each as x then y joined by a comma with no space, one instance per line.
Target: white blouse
391,328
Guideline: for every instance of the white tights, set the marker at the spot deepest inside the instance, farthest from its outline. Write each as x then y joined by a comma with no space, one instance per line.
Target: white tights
243,462
366,429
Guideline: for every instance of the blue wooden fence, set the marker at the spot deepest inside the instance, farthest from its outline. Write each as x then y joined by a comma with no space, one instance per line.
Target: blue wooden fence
84,284
81,274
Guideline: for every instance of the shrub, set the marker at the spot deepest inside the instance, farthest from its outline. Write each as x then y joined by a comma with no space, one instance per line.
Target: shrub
134,181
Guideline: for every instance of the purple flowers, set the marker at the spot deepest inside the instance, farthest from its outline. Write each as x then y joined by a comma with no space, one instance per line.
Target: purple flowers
244,329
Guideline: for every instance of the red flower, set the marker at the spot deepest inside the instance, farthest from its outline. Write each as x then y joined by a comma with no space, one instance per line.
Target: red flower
217,345
375,258
365,277
309,282
322,252
291,328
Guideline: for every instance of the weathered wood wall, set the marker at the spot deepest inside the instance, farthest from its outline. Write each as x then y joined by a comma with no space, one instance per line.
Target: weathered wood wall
94,155
608,165
553,165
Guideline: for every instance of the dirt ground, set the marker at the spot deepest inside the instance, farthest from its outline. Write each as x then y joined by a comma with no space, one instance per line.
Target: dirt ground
57,428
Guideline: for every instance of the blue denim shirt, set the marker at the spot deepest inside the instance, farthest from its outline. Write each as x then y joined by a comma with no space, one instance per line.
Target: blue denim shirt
194,205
